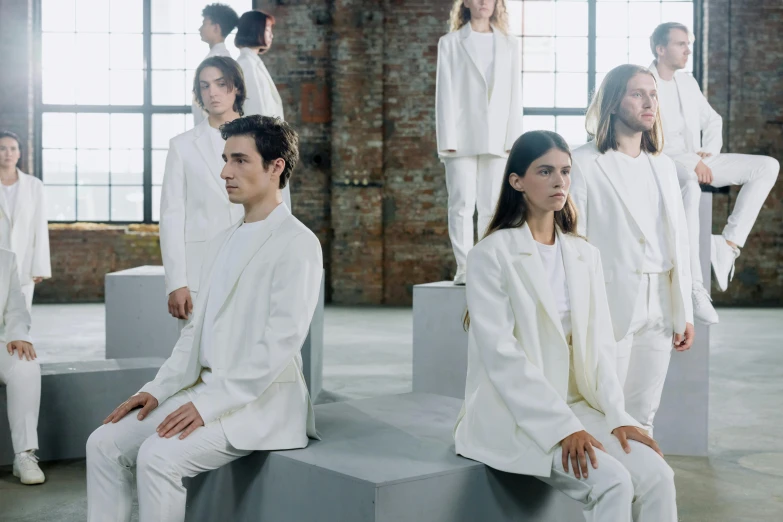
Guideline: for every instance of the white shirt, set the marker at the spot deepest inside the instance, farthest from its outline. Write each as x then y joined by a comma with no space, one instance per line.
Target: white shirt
217,139
552,259
674,130
224,268
485,45
649,211
10,192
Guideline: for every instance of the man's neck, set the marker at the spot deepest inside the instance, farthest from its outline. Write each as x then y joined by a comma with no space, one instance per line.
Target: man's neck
217,120
211,45
481,26
8,175
629,142
260,210
542,226
664,71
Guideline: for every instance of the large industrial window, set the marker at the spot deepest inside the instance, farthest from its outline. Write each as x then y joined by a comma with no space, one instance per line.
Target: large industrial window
115,87
568,46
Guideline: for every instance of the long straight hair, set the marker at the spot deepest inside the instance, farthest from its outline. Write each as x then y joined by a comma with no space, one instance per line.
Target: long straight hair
460,15
601,114
511,210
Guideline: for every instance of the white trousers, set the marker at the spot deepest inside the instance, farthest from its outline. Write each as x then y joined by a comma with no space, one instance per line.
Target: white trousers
756,174
643,354
22,379
473,183
27,291
161,464
636,486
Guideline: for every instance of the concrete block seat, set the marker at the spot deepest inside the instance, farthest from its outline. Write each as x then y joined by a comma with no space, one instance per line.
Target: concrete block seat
380,460
75,398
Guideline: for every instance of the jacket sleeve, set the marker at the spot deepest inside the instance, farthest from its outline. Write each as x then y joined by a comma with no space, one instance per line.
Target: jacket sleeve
42,265
296,285
535,405
684,271
609,392
254,100
445,123
710,123
16,317
579,197
172,221
514,128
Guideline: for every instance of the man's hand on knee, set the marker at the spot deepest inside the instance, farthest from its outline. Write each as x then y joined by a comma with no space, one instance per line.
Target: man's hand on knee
142,400
184,420
626,433
180,303
703,173
23,350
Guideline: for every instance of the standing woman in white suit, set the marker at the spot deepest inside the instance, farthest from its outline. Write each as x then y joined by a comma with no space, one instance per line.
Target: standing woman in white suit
542,396
478,115
24,229
254,38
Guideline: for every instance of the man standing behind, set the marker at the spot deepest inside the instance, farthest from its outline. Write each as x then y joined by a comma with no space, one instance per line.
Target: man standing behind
693,132
219,21
234,382
630,207
194,205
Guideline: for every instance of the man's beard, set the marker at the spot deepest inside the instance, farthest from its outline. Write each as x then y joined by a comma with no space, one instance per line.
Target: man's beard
632,123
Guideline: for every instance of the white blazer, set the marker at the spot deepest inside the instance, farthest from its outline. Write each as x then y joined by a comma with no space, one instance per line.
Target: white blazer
704,125
15,321
26,232
194,205
199,114
515,412
262,96
258,392
606,219
468,119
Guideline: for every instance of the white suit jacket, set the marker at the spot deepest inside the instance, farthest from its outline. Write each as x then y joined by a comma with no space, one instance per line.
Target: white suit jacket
515,412
468,119
262,96
26,232
15,321
258,392
194,205
199,114
606,219
704,125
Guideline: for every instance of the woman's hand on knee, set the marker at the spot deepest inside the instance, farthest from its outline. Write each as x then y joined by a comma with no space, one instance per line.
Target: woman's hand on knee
577,447
142,400
23,350
626,433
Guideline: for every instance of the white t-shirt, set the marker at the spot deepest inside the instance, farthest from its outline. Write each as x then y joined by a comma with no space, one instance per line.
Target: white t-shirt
485,47
223,274
552,259
649,211
10,192
674,129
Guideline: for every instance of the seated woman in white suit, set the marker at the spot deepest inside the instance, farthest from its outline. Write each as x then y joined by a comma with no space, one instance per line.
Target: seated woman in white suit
254,38
542,395
478,109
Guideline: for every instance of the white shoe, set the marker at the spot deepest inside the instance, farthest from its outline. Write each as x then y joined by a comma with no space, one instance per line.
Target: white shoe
703,310
26,468
459,279
722,256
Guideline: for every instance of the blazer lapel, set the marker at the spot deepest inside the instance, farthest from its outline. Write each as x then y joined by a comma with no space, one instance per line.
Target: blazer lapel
22,196
467,44
531,271
212,158
4,206
502,55
611,170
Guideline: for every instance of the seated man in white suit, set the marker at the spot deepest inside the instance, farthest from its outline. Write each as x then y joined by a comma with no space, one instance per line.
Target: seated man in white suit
218,21
542,396
194,204
19,372
234,382
694,137
630,207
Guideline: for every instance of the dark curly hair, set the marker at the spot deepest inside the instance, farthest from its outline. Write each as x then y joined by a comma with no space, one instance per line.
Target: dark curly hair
222,15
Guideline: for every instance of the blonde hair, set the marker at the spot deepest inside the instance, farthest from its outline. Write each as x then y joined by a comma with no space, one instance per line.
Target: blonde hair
599,121
460,15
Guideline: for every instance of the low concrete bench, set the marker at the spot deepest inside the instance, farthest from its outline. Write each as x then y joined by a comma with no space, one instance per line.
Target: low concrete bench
138,323
75,398
440,358
380,460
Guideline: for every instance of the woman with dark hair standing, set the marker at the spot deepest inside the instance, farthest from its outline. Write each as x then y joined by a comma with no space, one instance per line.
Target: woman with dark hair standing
254,38
542,396
478,115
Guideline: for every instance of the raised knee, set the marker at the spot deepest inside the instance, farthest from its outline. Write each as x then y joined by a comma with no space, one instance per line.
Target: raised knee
771,168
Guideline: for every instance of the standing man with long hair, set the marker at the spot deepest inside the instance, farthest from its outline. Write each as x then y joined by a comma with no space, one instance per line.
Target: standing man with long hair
478,106
542,397
630,207
254,38
24,228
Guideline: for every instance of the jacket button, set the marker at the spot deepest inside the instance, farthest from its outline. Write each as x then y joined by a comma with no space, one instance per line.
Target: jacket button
639,272
641,240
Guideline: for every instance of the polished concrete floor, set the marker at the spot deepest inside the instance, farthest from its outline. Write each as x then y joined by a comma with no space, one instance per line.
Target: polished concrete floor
368,353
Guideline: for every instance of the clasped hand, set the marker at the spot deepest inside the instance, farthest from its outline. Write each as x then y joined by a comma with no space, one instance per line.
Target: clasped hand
184,420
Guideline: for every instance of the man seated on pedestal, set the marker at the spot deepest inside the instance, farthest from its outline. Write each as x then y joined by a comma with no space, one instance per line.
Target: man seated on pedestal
234,382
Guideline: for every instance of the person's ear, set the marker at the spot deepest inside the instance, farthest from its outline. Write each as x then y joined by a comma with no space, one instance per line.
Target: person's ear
516,182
